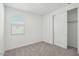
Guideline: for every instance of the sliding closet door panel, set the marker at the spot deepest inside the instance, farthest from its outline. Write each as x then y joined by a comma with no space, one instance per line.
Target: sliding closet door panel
72,27
60,29
72,35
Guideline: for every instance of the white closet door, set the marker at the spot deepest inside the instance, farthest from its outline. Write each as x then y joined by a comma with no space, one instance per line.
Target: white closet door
60,29
78,30
1,29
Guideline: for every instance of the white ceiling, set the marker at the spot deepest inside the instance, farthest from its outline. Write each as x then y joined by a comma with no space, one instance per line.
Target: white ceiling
38,8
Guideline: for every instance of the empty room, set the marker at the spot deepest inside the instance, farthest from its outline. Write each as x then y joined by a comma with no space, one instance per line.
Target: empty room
39,29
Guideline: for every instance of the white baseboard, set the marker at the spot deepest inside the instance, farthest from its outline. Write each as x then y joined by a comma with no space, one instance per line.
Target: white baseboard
1,53
32,42
48,42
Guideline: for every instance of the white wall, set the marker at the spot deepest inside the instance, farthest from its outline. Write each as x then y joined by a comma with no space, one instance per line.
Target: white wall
1,29
48,25
33,29
48,29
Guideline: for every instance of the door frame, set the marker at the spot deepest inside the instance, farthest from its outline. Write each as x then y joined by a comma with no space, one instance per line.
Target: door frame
53,28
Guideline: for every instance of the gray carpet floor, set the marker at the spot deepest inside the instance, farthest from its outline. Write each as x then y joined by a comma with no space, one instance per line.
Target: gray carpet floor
41,49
